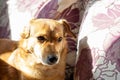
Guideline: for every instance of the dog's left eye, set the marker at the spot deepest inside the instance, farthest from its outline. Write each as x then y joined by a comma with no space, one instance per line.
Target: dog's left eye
59,39
41,38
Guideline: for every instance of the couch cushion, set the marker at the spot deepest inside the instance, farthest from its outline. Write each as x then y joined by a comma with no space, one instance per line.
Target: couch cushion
99,42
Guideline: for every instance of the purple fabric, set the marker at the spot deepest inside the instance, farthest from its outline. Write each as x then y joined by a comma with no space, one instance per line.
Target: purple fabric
112,53
83,68
4,32
4,20
49,10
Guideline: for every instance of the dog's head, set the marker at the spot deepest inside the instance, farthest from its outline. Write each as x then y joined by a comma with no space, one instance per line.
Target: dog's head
46,40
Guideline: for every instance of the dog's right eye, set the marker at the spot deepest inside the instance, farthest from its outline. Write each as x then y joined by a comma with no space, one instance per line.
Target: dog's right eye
41,39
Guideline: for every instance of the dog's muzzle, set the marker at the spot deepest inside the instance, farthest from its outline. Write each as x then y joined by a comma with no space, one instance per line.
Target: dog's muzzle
51,59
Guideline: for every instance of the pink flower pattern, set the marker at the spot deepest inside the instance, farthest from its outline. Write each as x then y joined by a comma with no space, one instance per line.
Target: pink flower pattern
110,20
111,17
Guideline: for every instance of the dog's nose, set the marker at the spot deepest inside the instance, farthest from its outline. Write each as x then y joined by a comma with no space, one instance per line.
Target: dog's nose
51,59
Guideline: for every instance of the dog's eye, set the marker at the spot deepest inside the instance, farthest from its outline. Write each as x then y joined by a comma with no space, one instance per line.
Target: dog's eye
59,39
41,38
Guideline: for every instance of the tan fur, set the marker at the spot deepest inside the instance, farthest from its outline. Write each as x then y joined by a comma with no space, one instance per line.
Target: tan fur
28,58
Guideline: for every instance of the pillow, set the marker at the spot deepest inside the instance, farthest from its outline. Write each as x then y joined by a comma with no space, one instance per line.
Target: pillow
98,56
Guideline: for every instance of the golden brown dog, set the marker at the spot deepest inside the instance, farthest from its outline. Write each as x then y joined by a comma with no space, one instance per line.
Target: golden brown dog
40,54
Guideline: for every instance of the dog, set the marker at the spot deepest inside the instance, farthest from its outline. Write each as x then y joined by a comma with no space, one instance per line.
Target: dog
40,54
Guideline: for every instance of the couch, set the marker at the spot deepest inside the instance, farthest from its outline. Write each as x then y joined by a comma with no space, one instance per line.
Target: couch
95,53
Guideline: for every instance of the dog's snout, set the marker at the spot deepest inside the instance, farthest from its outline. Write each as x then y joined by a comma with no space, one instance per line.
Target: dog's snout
51,59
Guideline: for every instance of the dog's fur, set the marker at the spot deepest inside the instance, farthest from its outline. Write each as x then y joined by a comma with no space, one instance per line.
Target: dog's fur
39,55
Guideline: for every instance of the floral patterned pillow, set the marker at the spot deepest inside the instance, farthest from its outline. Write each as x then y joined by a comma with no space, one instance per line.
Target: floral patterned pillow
99,42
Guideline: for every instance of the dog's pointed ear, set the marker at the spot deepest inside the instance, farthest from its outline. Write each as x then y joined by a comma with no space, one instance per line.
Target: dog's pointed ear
26,32
67,29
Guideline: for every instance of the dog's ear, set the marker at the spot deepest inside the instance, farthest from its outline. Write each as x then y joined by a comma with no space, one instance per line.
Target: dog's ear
67,28
26,32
